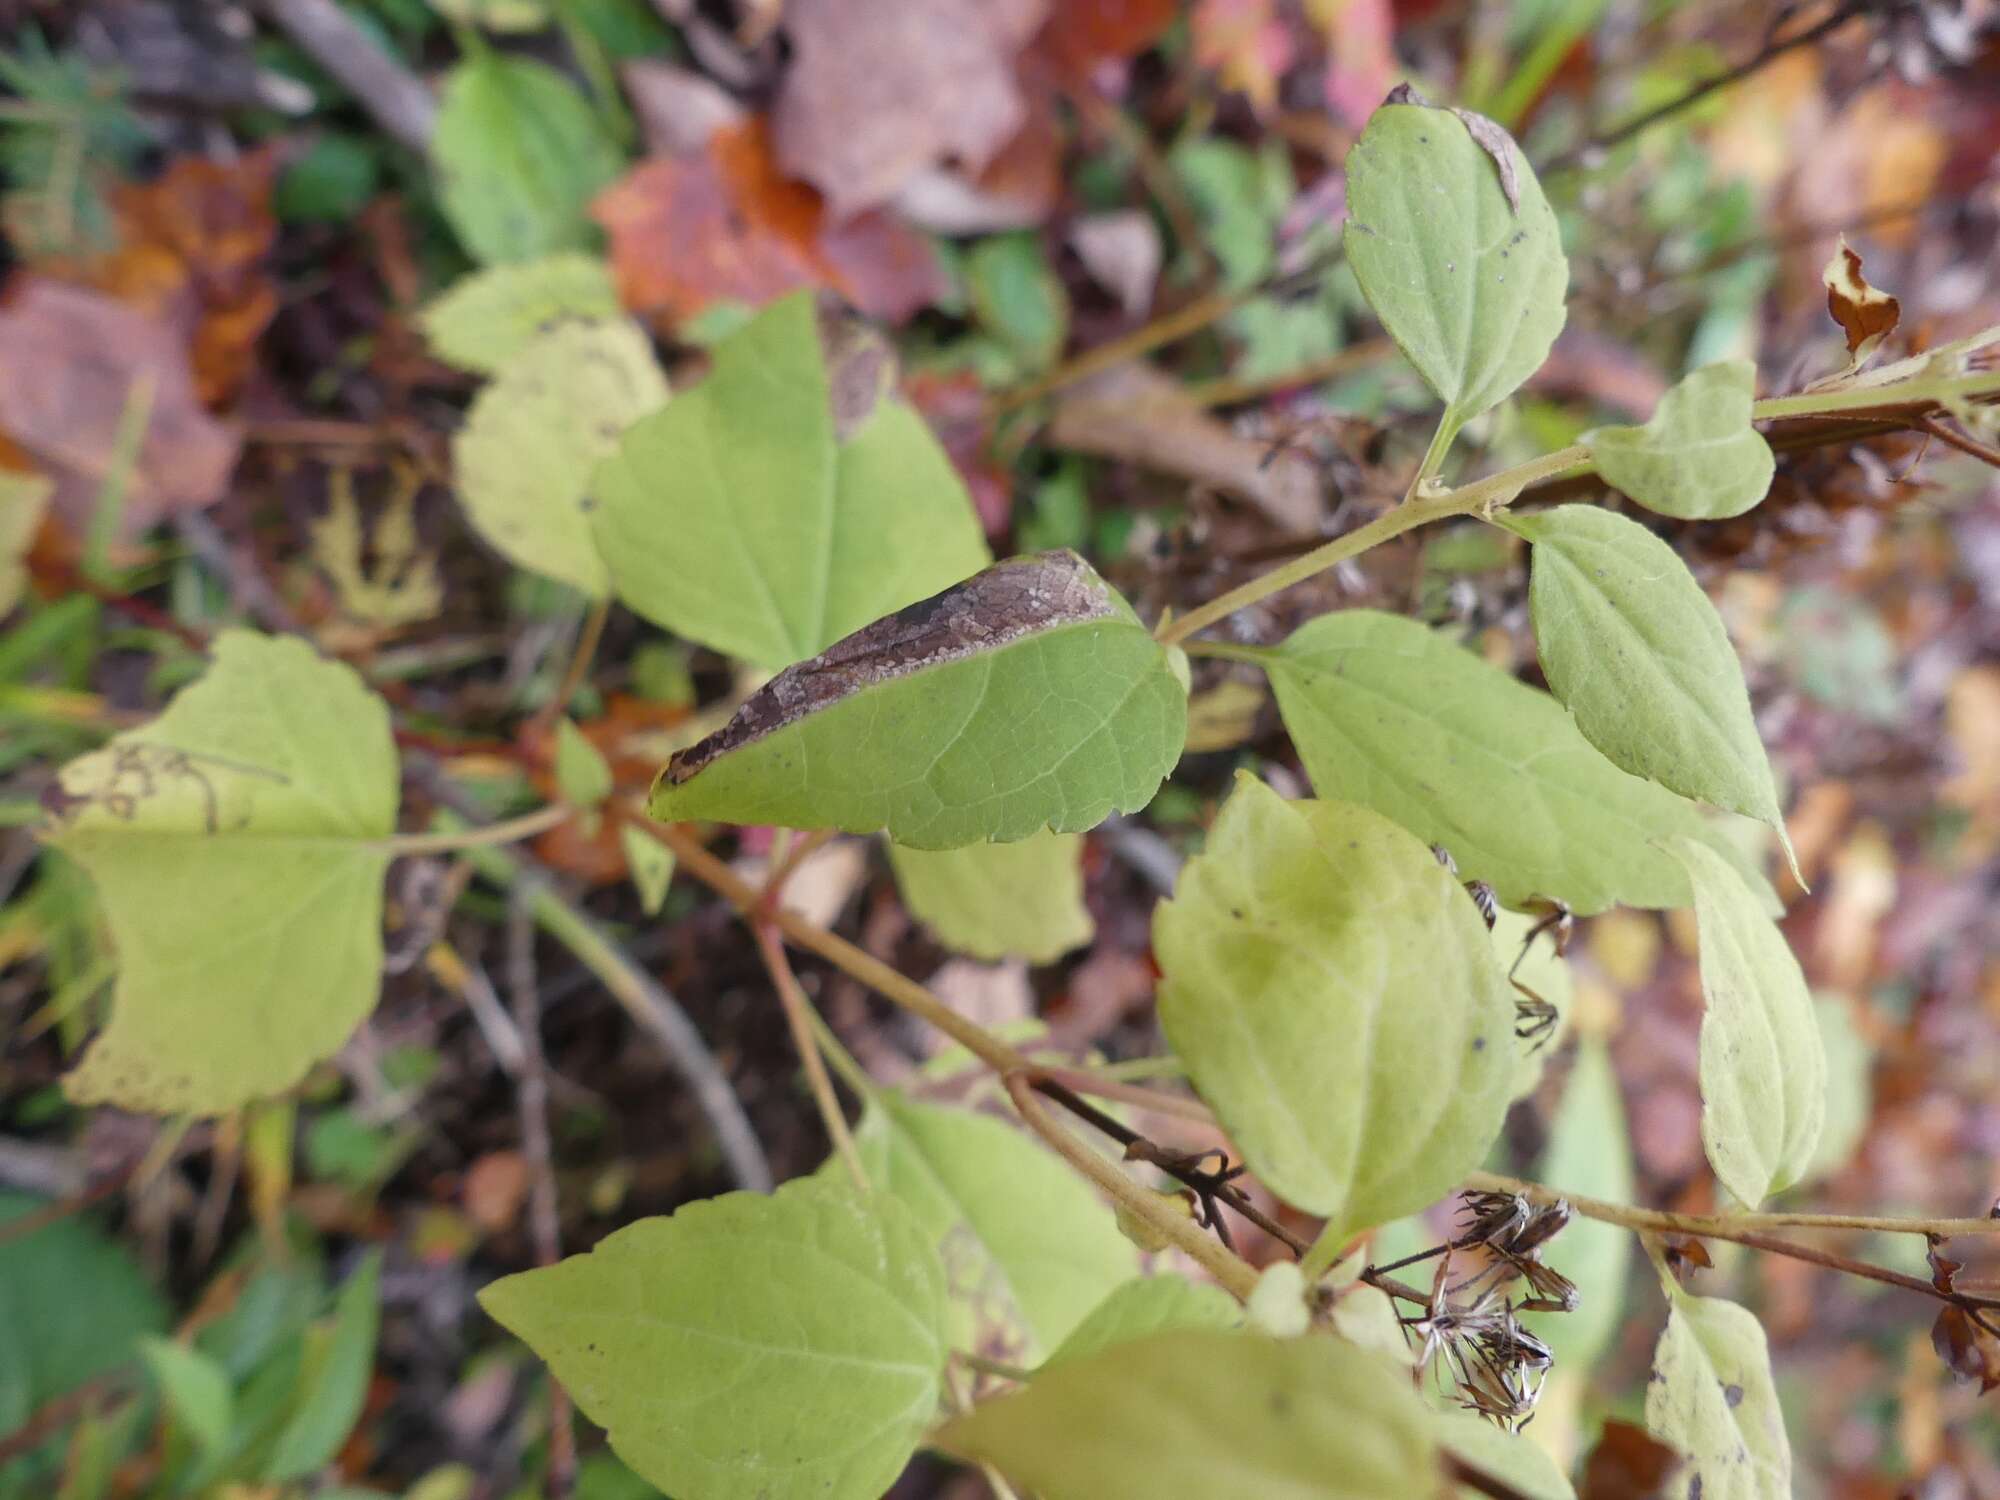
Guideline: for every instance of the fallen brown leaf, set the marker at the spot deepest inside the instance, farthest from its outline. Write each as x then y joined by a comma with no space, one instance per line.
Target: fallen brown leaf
880,89
70,362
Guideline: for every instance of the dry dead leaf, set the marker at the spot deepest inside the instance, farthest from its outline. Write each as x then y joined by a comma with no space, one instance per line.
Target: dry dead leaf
1247,44
1224,716
1081,38
1121,251
69,362
1137,415
880,89
1867,316
678,108
724,224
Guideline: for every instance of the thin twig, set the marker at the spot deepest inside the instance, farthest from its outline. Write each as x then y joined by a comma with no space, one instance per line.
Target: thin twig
1951,437
644,999
453,841
394,97
1773,49
544,1211
579,662
1235,1275
798,1017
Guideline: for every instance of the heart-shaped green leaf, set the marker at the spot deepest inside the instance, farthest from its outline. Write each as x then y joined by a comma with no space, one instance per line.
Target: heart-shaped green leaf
749,1347
518,154
1334,995
1027,696
1763,1068
1712,1399
1390,714
1028,1248
485,319
1697,457
233,841
1203,1412
1020,900
1468,282
781,505
524,458
1635,650
1147,1305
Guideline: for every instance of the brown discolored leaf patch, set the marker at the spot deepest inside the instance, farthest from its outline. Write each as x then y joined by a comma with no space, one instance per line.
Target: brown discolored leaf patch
1867,316
880,89
1969,1351
724,224
1080,38
70,361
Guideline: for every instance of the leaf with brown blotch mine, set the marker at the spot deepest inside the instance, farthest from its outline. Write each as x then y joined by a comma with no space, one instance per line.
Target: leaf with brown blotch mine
1866,315
70,362
724,224
878,90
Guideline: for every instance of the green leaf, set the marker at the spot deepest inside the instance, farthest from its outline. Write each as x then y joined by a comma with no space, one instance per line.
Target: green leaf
524,459
331,181
1850,1064
1468,285
1637,653
1697,457
1390,714
1589,1152
1509,1456
24,500
652,866
1000,900
1711,1398
1147,1305
1204,1412
1028,1248
196,1387
1018,297
518,154
1029,695
73,1304
487,318
582,776
780,505
1334,995
1763,1069
749,1347
233,840
334,1378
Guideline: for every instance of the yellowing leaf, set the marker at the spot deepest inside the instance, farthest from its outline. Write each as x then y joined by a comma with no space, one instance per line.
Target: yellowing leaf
1391,714
233,844
1204,1412
780,505
1507,1456
1147,1305
1697,457
485,319
1028,1248
1711,1398
1028,696
24,499
582,774
1590,1152
652,865
1468,283
1020,900
1637,653
1334,995
524,459
1763,1067
749,1347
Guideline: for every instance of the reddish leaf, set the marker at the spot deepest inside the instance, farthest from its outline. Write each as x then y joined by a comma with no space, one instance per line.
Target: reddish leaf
1360,60
191,252
955,408
1627,1464
1079,38
1248,45
1968,1351
70,361
880,89
1865,315
723,224
1943,1267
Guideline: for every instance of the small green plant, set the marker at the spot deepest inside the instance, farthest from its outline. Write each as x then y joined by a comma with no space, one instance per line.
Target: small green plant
1356,984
